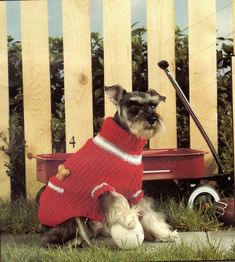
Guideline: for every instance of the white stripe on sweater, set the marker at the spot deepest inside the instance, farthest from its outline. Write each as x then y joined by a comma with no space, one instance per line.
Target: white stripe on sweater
136,194
56,188
113,149
99,187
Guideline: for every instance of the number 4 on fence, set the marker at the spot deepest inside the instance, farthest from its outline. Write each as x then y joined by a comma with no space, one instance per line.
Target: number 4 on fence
72,141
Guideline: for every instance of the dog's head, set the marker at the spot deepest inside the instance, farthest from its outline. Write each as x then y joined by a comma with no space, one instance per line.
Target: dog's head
136,111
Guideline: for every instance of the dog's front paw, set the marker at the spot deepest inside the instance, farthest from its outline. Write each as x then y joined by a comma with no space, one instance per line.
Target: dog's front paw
74,243
129,218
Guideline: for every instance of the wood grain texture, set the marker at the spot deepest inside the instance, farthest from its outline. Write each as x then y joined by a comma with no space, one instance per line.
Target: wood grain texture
233,22
161,46
4,105
36,85
117,46
77,72
202,74
233,83
233,103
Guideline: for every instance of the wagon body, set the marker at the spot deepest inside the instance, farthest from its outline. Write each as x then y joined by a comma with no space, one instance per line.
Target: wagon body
159,164
183,164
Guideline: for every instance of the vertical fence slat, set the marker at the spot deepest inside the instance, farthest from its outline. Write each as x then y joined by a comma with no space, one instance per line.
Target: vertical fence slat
233,88
233,23
4,105
36,85
202,74
161,45
77,72
233,103
117,46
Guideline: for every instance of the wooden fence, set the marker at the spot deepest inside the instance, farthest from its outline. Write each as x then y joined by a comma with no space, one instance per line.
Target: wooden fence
117,69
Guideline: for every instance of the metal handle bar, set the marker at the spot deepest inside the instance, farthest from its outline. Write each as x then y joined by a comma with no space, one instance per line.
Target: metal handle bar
164,66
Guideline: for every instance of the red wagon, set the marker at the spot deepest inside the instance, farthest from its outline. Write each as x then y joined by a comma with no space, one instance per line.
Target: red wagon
159,164
178,164
183,164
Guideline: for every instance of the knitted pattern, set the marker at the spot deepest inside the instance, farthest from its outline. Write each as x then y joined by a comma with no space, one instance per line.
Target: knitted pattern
109,162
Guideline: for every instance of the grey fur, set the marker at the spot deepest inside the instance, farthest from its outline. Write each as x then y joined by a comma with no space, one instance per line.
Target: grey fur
136,113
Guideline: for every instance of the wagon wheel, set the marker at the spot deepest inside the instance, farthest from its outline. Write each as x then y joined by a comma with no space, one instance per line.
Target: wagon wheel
202,197
39,194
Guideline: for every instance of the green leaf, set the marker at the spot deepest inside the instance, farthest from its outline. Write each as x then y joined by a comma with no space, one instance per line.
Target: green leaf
228,49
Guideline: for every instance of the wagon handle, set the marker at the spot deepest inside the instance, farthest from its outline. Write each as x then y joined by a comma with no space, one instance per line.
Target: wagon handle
163,64
31,155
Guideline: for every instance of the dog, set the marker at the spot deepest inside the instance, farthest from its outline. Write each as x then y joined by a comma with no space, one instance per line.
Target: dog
103,187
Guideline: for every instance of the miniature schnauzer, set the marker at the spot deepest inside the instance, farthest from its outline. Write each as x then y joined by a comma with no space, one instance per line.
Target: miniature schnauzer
136,114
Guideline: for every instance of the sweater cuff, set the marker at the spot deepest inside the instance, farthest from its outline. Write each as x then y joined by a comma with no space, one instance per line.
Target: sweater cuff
100,189
136,197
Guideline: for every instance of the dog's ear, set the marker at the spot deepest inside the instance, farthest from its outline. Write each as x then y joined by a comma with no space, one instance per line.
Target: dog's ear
115,93
155,95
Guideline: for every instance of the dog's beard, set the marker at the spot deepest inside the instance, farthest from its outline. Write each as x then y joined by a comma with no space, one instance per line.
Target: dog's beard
144,130
138,126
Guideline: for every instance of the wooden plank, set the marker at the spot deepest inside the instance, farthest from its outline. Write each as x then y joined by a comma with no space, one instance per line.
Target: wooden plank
77,72
36,85
161,46
233,87
202,75
4,105
117,46
233,23
233,103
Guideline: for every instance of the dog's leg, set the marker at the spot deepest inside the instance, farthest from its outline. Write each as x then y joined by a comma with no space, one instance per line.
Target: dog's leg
116,210
67,232
82,232
153,223
60,234
87,230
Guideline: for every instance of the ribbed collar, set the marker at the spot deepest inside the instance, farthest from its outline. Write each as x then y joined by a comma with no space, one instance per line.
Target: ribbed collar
121,138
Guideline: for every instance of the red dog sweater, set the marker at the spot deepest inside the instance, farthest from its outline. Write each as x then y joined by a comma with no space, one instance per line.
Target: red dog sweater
112,161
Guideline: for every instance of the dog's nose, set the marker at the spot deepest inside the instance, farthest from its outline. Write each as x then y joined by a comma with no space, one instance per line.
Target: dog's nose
152,120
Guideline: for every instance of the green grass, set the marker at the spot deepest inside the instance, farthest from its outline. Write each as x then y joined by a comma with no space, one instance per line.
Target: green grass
168,252
21,217
186,219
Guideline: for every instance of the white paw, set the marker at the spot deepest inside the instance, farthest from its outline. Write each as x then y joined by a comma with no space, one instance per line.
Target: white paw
129,219
76,242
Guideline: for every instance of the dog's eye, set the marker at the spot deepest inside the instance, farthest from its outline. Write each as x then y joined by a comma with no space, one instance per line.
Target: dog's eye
133,105
153,106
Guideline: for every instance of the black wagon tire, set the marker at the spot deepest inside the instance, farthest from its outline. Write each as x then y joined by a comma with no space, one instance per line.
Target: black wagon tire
39,194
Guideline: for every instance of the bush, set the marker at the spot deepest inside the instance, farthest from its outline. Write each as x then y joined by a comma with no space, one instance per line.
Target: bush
14,148
225,120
